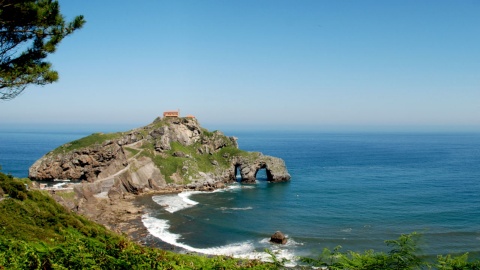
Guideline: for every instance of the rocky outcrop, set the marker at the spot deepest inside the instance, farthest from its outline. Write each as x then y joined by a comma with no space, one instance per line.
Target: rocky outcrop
81,164
168,154
278,238
274,167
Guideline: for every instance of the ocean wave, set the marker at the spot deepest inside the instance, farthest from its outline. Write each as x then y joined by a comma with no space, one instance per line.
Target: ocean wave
235,208
290,243
246,250
176,202
159,228
248,187
236,186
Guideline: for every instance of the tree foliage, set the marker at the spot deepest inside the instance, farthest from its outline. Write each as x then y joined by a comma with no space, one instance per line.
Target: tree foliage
30,30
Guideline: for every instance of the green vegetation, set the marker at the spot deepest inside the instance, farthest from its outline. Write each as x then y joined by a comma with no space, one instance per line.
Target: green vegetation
66,195
208,134
187,161
38,233
30,30
192,160
95,138
403,255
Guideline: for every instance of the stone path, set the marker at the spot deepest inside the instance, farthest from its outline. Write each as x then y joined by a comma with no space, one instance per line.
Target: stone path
107,182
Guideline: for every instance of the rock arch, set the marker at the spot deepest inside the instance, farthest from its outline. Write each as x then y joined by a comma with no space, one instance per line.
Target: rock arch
275,169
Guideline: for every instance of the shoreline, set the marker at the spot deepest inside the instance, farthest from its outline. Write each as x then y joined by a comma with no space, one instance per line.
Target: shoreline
123,215
245,249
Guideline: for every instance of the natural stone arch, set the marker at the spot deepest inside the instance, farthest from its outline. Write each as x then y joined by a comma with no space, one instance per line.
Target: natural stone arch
268,172
261,175
274,167
237,169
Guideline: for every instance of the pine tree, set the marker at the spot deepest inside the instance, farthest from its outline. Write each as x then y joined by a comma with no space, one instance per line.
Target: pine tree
30,30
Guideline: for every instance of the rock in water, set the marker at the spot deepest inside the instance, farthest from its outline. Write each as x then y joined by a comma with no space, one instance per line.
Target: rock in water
278,238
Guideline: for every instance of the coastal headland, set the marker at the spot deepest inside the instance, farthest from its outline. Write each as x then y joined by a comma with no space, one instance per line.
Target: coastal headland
170,155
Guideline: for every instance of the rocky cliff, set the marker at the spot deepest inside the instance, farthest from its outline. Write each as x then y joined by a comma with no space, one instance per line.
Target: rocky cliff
170,153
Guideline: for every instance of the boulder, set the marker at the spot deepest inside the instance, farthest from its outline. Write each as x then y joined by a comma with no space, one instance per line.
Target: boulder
178,154
220,185
278,238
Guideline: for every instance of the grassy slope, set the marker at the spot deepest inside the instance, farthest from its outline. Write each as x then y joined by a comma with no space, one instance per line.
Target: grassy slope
38,233
95,138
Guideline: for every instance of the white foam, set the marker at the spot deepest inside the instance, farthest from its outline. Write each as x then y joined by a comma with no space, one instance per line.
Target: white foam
236,186
290,242
59,185
185,197
159,228
246,250
176,202
235,208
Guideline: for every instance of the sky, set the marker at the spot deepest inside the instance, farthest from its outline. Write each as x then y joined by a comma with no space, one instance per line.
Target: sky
270,64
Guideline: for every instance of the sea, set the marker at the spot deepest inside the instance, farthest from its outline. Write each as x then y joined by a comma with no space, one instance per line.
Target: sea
348,189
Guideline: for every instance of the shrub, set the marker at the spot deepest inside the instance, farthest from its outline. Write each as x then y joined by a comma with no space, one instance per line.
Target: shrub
402,256
15,189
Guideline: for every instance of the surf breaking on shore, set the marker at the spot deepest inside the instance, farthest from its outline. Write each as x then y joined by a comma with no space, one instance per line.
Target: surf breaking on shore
250,249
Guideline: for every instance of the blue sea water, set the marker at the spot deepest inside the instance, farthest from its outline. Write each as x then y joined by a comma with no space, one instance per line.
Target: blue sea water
350,189
19,149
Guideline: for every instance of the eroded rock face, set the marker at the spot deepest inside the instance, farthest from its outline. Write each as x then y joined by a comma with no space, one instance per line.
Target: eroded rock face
82,164
165,155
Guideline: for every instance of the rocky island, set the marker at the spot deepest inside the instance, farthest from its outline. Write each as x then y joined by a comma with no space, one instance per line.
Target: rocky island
172,154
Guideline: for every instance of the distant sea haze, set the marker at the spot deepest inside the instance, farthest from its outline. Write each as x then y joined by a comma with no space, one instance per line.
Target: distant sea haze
350,189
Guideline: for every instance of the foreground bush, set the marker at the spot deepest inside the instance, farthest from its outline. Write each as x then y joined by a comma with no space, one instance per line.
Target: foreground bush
403,255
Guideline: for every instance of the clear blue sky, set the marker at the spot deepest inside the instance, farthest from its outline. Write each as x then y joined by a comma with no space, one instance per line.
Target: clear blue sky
388,65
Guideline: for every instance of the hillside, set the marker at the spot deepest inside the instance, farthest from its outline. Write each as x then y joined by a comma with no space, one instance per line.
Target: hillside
38,233
170,152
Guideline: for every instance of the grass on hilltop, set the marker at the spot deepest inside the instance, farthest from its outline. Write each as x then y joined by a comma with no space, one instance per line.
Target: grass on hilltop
95,138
